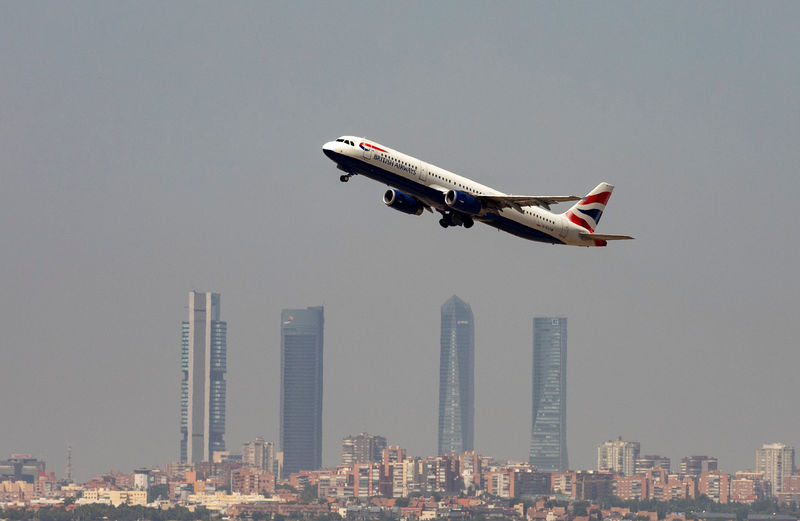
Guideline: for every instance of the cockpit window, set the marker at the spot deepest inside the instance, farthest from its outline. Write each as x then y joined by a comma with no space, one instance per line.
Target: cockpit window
340,140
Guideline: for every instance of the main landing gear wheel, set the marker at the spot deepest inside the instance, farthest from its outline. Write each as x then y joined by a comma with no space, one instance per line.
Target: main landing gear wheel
443,223
468,222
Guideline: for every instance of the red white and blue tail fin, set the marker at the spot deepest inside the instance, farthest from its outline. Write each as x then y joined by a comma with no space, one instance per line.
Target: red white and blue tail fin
586,213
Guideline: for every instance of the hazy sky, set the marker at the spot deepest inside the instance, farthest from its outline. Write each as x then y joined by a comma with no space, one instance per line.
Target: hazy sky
148,149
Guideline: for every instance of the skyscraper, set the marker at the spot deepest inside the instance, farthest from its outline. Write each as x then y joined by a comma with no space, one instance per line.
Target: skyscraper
456,378
203,363
549,431
301,389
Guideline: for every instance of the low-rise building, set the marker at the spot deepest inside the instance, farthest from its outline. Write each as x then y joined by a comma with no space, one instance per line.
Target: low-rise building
113,497
252,480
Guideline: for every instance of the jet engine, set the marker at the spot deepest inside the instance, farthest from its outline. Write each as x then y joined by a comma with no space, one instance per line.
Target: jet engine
402,202
463,202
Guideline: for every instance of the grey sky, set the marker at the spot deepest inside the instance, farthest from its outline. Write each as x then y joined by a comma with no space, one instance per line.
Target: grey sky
147,149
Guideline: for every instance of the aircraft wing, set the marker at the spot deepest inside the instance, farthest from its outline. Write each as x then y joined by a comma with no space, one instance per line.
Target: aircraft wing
498,202
604,237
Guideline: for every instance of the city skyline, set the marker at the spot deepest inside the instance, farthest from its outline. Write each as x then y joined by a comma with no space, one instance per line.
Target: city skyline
551,338
456,378
147,151
235,480
552,334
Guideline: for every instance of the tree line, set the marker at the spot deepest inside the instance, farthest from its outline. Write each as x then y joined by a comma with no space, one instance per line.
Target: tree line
693,508
100,512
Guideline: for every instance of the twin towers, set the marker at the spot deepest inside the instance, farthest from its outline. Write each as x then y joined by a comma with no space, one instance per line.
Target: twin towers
203,386
548,447
203,389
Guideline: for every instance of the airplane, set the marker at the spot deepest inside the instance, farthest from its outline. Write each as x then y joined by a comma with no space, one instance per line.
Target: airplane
416,186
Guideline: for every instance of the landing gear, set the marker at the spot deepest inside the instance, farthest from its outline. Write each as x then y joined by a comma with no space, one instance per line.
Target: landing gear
345,178
455,219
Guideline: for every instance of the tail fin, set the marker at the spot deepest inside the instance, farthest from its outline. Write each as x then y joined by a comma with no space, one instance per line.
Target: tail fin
587,212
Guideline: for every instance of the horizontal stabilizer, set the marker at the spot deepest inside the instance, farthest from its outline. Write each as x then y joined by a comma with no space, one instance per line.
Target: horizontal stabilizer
604,237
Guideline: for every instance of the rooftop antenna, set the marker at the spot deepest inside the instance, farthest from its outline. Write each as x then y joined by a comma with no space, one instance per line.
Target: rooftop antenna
69,463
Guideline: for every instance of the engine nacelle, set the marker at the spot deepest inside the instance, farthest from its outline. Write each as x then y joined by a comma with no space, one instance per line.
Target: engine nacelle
463,202
402,202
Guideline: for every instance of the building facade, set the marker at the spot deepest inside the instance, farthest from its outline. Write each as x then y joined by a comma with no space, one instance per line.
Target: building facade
776,461
696,465
456,378
364,448
301,389
652,461
548,451
618,456
715,485
203,365
21,467
748,487
259,454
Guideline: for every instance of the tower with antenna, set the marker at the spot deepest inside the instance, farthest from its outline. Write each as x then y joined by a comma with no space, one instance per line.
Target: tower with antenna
68,478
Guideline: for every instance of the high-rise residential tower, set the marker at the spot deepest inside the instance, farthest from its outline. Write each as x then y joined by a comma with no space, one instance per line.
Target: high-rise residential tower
549,431
652,461
696,465
776,461
203,364
456,378
364,448
618,456
301,389
259,453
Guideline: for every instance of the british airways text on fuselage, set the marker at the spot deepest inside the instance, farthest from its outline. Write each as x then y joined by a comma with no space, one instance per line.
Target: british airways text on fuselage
394,163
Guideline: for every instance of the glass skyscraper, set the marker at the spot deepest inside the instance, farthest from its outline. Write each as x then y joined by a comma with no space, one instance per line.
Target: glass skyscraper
203,365
301,389
549,433
456,378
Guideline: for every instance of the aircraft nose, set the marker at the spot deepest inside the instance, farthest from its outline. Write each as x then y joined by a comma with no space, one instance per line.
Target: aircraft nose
328,149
